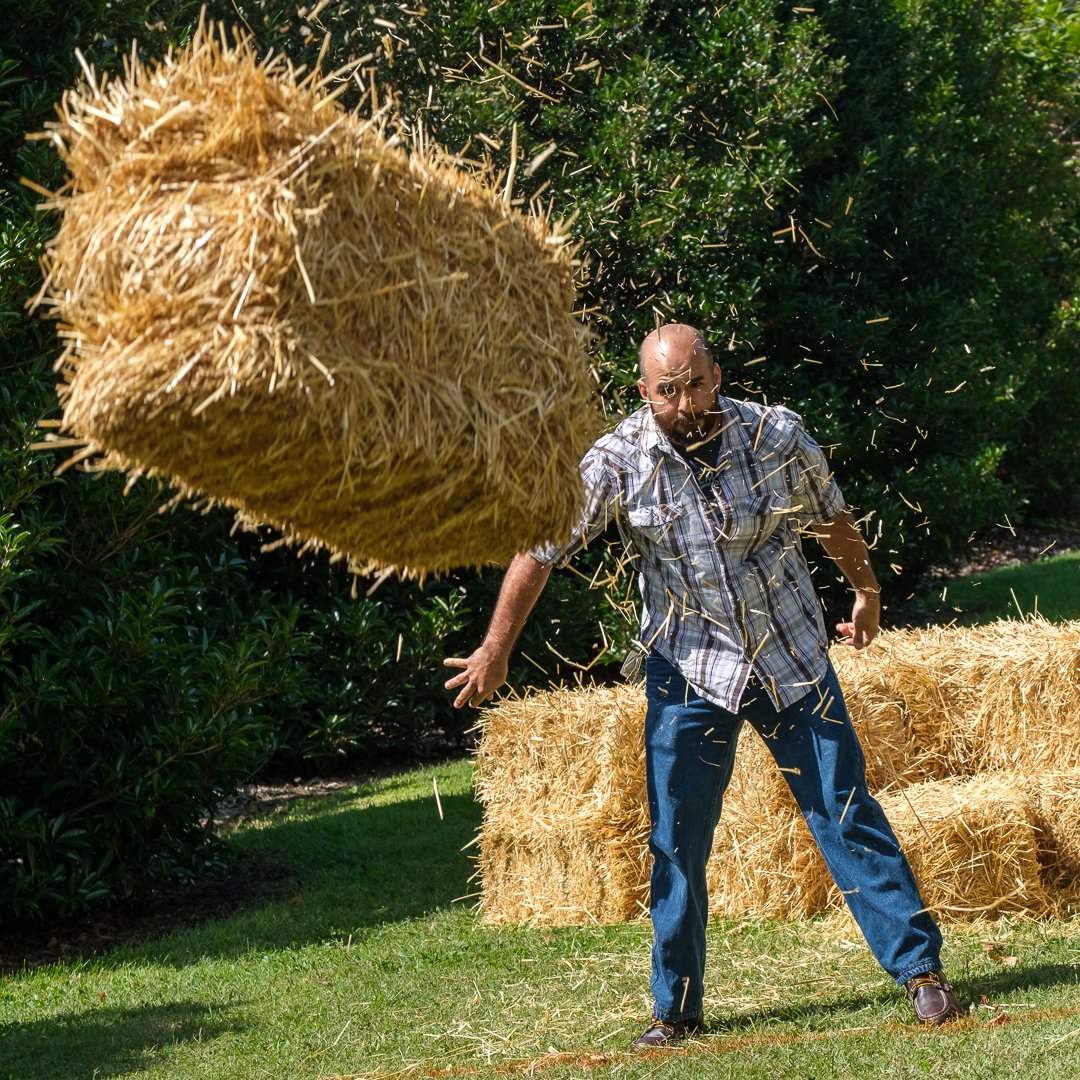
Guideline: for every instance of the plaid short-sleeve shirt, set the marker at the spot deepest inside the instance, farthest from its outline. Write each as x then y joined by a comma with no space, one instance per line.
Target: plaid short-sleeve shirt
725,587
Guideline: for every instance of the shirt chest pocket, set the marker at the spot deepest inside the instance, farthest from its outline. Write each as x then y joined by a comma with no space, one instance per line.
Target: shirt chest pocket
762,506
656,523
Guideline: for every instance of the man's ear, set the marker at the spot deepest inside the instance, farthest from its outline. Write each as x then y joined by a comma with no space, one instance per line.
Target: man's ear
643,390
717,373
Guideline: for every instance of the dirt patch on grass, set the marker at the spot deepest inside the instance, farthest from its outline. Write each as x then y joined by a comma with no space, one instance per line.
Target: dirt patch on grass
246,879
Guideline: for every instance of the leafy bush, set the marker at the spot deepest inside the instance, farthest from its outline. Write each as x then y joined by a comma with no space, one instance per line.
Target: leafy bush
123,724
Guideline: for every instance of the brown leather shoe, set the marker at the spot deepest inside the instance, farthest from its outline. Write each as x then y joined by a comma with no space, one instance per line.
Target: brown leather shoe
667,1032
933,998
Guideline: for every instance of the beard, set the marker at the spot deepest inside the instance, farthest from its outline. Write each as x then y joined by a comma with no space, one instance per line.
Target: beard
686,432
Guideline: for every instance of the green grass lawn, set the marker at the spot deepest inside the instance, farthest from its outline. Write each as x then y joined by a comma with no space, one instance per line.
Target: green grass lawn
374,966
1049,587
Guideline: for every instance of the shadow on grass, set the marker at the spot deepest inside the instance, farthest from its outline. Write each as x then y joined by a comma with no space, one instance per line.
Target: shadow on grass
105,1041
800,1015
969,991
351,869
1021,978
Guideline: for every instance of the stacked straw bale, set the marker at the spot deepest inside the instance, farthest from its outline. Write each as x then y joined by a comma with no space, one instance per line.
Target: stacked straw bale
565,832
1056,803
964,701
765,865
973,845
971,738
268,301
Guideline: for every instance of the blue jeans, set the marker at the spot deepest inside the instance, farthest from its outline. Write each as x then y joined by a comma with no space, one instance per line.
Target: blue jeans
689,755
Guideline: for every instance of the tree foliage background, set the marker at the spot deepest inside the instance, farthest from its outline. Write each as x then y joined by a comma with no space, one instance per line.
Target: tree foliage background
870,208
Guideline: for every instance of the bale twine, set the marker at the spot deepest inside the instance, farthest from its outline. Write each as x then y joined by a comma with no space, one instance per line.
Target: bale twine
268,301
973,845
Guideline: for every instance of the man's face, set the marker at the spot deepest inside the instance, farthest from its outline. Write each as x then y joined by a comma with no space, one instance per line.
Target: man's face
681,386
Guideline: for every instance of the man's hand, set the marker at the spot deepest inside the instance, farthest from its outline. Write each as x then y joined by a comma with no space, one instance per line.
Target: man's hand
865,620
484,673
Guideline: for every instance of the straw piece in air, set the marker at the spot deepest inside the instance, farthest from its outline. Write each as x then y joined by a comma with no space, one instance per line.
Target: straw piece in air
270,302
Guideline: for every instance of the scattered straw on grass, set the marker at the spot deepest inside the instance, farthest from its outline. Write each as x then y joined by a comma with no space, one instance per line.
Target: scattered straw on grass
270,302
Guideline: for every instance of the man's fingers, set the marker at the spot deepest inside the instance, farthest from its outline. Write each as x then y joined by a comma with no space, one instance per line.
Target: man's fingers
456,681
455,661
471,696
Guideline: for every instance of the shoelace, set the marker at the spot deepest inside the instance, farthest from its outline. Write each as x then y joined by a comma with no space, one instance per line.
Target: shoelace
930,978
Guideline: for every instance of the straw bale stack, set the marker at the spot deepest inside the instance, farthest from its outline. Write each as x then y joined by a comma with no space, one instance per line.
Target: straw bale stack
268,301
765,864
1056,802
972,844
562,779
957,702
1026,712
561,776
910,719
564,755
563,877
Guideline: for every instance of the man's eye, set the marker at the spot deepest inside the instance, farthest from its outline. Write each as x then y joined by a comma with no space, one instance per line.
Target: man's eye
667,391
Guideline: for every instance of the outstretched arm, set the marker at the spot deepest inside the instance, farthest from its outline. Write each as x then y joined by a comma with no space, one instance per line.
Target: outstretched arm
485,671
843,543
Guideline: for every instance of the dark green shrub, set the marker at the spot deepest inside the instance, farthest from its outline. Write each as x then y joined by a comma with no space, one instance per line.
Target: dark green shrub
123,724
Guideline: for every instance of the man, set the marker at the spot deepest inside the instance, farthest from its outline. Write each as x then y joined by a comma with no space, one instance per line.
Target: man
710,495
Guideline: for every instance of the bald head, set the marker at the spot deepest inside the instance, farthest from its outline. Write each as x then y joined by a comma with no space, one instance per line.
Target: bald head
680,382
675,340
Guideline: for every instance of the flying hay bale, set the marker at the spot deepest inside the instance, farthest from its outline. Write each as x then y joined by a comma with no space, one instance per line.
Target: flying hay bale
268,301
